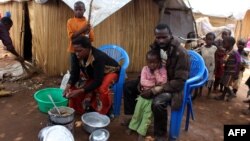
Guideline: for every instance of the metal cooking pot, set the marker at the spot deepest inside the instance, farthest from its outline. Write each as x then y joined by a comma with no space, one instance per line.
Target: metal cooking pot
99,135
55,133
67,115
93,121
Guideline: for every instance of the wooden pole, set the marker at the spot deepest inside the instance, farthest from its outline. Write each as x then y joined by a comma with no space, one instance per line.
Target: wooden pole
90,11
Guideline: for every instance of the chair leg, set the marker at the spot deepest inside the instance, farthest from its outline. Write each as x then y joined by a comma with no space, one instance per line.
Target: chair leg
189,111
191,108
175,122
117,100
187,117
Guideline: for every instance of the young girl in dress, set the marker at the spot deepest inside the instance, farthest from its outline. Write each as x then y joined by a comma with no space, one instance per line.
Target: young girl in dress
151,75
208,54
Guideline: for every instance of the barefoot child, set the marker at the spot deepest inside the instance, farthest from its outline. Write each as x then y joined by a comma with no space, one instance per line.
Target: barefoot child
151,75
231,69
219,55
241,44
208,54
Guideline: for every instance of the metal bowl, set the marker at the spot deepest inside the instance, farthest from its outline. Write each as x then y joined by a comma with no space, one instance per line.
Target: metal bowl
55,133
67,115
93,121
99,135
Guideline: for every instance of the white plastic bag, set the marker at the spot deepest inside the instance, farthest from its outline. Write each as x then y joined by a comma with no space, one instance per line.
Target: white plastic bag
65,80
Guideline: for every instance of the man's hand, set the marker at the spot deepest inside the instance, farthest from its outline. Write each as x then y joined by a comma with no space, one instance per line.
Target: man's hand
147,94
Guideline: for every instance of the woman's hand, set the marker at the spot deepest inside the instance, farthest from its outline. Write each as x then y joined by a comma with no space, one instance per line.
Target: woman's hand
66,90
74,93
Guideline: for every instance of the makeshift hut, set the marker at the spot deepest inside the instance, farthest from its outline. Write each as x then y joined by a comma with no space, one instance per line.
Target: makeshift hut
131,27
39,31
231,13
178,15
45,25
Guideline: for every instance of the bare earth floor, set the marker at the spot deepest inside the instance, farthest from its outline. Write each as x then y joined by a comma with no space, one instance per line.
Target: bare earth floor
20,120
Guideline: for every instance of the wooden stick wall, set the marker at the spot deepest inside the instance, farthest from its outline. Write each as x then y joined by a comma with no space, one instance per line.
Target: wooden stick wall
16,15
131,28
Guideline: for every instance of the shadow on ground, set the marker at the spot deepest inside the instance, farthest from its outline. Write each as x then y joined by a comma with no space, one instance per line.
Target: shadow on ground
21,120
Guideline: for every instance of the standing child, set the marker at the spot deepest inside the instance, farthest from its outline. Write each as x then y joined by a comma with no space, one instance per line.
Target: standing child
78,25
191,44
225,33
220,54
219,68
208,54
241,44
231,69
151,75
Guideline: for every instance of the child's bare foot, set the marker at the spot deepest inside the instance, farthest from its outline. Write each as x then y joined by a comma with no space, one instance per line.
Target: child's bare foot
128,131
140,137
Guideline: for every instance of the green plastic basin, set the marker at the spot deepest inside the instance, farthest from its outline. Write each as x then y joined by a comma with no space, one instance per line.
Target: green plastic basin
43,101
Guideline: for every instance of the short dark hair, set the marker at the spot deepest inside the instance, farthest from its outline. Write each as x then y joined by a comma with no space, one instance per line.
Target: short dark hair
7,21
228,31
242,41
83,41
79,3
191,35
155,53
210,34
230,40
162,26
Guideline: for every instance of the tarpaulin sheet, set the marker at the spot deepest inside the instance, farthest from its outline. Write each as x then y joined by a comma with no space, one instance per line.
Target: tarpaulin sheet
204,26
235,9
101,9
4,1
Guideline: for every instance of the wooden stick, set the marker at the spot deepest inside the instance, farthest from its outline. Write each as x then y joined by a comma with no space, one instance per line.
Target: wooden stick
163,10
90,11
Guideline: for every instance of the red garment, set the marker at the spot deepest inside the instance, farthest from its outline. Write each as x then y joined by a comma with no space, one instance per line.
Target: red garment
100,98
219,61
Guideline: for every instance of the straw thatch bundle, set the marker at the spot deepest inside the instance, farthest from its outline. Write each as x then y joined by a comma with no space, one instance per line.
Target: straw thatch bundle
132,28
49,35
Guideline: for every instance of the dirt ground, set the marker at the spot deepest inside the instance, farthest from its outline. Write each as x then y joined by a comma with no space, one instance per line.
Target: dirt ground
21,120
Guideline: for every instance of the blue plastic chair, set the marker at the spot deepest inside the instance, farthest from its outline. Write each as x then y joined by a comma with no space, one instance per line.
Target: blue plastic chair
189,104
121,56
198,75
